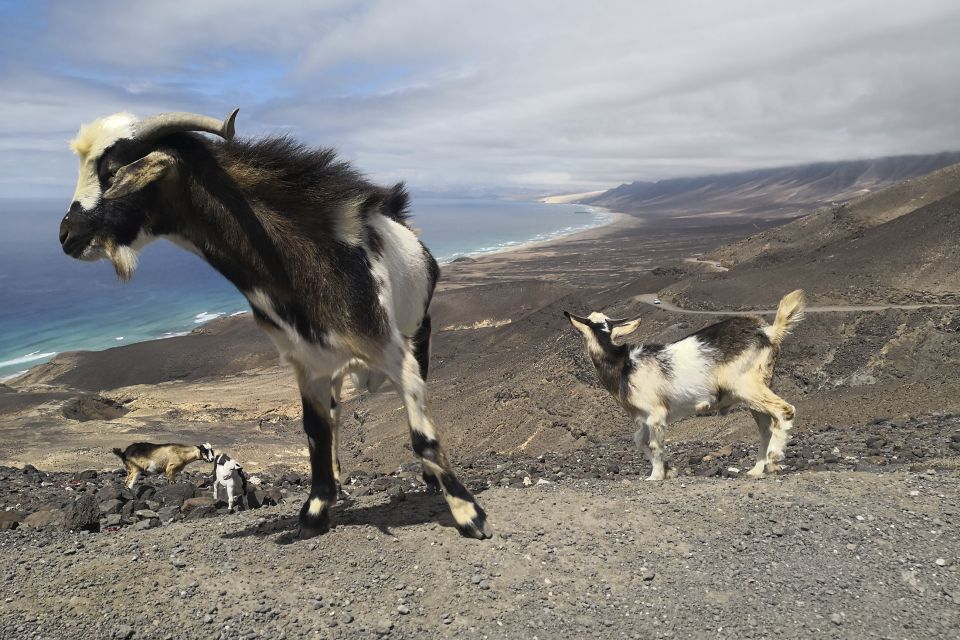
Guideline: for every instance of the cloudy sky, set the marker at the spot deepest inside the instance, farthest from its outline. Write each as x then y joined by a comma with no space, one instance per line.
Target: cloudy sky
508,97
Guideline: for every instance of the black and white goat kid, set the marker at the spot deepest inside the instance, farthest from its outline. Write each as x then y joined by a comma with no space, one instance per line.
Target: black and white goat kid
723,365
325,258
228,473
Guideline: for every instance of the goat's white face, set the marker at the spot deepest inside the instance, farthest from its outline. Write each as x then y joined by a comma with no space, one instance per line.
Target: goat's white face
599,330
106,218
112,212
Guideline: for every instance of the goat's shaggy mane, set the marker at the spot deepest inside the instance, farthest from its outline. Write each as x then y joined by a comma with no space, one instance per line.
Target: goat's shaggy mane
278,169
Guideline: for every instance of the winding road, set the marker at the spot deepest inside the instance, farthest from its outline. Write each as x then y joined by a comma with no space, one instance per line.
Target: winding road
648,298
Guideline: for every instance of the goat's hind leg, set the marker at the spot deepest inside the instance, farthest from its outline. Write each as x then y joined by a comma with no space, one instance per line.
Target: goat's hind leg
781,414
764,425
470,518
421,351
318,425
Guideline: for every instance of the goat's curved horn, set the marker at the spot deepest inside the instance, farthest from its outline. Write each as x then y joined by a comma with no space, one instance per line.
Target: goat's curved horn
167,123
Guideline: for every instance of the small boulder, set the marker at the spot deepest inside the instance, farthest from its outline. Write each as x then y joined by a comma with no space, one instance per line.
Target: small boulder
167,514
191,504
149,523
43,518
111,506
82,514
201,511
89,474
109,492
174,494
275,495
10,519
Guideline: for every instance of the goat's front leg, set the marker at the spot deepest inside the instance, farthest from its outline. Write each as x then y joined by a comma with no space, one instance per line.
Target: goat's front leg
230,496
470,518
336,387
318,425
655,425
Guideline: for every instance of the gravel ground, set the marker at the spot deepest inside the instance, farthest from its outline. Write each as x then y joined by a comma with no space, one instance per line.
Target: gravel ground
583,546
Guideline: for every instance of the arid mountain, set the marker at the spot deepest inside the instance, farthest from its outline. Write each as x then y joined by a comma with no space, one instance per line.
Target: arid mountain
898,245
778,192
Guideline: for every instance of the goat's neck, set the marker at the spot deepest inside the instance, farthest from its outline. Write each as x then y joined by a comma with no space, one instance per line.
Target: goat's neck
226,231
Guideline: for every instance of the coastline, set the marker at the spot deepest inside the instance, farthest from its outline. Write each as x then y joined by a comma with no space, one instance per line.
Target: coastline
533,247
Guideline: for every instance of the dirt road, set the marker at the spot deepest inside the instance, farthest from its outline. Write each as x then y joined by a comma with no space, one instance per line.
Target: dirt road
648,298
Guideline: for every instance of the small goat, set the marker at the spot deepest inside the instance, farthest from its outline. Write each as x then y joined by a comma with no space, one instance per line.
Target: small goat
723,365
325,258
228,473
146,457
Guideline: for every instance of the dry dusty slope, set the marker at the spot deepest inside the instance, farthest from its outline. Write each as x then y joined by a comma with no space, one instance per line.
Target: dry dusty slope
838,554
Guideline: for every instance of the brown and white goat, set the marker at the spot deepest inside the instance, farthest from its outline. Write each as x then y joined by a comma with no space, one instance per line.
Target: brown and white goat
332,271
170,459
728,363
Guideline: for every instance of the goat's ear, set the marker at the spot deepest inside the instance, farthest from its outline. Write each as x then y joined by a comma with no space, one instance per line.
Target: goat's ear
580,324
620,328
139,174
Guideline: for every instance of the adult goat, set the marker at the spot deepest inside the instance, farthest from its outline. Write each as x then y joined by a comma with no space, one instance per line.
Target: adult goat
325,258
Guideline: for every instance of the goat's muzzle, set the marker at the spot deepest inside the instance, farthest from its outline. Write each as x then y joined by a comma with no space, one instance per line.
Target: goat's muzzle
75,233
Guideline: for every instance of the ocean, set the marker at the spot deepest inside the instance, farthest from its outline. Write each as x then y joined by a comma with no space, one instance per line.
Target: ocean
50,303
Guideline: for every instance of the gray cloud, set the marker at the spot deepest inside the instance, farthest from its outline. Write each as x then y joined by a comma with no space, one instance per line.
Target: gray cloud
520,97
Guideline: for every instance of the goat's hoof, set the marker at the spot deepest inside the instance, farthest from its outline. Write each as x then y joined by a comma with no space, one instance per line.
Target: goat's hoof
654,479
773,467
477,527
312,525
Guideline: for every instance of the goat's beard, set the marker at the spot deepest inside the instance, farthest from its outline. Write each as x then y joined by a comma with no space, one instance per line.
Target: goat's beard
123,257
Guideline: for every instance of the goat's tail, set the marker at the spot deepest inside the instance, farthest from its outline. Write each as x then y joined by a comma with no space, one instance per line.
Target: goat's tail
789,313
119,454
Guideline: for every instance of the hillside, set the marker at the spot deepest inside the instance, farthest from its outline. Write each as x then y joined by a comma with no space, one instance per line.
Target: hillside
898,245
778,192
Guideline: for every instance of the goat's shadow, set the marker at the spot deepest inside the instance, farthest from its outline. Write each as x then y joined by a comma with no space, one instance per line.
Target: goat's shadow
416,508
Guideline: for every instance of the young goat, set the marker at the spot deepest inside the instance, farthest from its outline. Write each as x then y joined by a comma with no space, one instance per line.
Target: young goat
331,270
146,457
228,473
723,365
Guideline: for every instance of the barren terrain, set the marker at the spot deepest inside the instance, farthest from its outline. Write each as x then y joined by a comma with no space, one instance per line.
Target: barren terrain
859,537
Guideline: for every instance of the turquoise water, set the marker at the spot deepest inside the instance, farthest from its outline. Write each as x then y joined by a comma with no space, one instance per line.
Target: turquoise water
50,303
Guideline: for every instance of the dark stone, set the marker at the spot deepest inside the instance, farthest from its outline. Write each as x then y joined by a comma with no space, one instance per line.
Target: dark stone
109,492
127,509
275,495
29,468
148,523
174,494
111,506
876,442
613,467
82,514
201,511
112,520
43,518
10,519
254,498
190,504
143,491
708,472
168,514
89,474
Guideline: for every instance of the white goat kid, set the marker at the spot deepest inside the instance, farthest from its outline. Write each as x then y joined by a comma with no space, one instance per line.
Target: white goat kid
720,366
228,473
